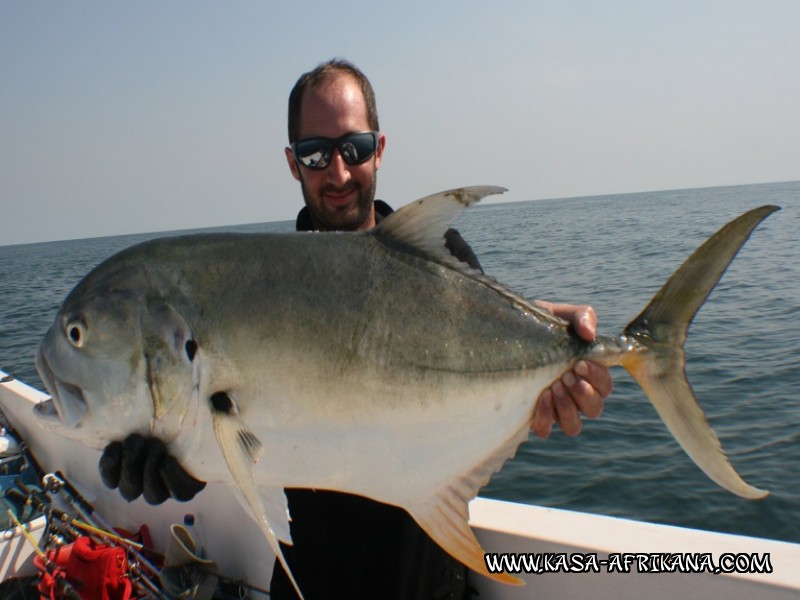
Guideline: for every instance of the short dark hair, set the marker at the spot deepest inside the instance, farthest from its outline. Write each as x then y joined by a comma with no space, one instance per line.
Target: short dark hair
325,72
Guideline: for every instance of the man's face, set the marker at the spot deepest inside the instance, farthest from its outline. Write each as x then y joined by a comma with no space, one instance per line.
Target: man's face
340,196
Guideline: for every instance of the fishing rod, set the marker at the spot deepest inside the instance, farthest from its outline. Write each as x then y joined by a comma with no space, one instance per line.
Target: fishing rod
89,522
64,586
61,526
64,518
57,484
73,526
67,525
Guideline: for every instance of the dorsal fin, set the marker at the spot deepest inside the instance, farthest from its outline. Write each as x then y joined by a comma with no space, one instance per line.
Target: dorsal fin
422,224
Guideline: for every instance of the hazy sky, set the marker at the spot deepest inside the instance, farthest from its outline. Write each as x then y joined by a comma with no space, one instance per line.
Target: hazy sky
123,117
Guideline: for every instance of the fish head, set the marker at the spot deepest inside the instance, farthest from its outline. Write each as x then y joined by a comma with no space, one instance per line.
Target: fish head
118,359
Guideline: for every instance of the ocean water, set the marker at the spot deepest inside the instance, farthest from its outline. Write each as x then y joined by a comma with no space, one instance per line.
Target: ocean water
612,252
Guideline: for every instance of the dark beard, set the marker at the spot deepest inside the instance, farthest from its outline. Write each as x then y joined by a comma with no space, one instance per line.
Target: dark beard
327,222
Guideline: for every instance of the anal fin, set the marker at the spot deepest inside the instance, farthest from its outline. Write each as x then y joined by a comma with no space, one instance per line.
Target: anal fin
444,516
445,519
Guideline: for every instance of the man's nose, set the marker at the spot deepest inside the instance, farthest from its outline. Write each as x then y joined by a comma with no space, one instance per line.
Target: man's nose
338,170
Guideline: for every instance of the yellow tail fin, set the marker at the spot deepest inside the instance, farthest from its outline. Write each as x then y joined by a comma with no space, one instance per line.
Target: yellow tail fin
660,332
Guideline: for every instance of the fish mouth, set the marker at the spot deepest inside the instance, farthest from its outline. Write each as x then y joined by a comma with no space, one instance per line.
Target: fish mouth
67,403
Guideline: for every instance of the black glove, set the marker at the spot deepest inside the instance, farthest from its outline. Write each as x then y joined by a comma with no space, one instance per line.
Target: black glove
140,465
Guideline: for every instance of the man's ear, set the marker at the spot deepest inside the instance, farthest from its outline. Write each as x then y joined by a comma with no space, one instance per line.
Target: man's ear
379,151
293,167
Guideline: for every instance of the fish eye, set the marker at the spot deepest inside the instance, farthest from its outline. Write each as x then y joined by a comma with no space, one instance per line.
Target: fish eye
76,333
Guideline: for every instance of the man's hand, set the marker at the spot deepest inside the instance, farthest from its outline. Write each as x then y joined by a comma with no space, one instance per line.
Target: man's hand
140,465
581,390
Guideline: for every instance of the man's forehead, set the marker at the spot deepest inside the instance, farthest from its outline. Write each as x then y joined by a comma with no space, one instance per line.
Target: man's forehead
333,107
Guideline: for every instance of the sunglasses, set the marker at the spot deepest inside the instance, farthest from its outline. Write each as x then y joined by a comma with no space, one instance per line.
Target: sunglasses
316,153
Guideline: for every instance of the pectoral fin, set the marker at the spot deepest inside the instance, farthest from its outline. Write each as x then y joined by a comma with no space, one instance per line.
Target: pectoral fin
241,449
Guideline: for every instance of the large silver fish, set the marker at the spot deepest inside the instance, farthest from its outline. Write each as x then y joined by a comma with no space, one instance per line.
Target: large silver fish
372,363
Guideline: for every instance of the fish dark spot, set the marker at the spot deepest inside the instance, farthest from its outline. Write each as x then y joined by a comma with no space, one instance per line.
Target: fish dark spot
221,402
191,349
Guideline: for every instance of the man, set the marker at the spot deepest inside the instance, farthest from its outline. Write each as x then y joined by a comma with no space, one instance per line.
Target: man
347,546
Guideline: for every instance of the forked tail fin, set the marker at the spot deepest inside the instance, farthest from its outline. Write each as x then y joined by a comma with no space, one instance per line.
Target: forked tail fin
661,329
